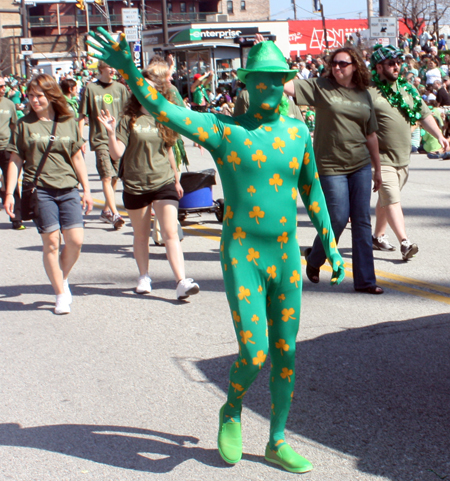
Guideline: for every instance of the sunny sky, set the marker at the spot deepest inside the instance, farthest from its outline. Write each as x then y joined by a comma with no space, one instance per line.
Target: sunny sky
282,9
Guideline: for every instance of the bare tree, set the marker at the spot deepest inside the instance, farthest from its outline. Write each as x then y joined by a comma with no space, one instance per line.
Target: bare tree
416,14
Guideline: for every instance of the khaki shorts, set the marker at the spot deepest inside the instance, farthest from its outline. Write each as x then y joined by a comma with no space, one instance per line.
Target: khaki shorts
106,167
393,180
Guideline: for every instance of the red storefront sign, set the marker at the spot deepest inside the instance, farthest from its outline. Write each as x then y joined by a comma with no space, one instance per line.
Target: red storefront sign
307,36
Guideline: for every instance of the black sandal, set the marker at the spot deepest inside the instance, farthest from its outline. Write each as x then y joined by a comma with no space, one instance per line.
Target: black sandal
371,290
311,272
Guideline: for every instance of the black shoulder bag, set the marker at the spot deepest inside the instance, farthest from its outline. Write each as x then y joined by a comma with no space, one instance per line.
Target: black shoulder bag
29,202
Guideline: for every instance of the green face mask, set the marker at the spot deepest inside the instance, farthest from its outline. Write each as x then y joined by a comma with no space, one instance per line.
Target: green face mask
265,90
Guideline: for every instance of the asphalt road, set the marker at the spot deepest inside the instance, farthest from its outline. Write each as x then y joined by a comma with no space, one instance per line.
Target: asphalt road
128,387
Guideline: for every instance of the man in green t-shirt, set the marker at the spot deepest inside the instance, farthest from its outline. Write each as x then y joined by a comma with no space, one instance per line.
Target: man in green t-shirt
395,116
105,94
8,118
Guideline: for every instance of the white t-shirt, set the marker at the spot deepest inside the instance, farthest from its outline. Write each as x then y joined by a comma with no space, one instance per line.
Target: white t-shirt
432,75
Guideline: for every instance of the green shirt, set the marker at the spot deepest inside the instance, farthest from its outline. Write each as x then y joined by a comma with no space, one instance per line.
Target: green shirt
344,118
30,139
200,95
8,118
394,128
100,96
146,165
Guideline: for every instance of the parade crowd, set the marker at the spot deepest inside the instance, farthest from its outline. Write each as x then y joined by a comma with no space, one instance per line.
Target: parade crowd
334,129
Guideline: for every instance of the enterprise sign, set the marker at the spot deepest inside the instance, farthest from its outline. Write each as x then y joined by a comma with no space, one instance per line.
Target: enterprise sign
199,34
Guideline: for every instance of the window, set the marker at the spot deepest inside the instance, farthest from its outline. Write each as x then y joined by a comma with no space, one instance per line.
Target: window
169,7
183,7
242,4
192,7
230,6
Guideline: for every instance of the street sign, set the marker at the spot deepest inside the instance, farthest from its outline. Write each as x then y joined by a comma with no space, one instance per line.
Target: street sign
383,27
132,34
26,46
130,17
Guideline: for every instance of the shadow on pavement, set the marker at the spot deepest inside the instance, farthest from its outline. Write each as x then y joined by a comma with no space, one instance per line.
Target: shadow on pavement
123,447
379,393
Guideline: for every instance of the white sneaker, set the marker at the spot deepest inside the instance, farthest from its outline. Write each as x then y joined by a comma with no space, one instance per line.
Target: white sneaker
62,304
144,285
67,290
186,288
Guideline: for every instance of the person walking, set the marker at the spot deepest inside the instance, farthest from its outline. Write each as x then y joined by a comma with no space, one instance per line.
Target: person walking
398,106
8,118
345,145
150,179
60,209
263,159
105,94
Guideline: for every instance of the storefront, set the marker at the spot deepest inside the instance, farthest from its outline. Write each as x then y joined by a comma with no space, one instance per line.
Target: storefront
199,48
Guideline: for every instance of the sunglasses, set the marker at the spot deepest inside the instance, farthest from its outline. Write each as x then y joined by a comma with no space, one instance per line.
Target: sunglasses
341,64
392,63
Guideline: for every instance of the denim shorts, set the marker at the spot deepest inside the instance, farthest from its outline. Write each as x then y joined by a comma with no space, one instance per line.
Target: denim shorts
59,209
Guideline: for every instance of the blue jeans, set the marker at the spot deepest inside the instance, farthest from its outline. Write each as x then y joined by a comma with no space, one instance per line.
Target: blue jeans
348,196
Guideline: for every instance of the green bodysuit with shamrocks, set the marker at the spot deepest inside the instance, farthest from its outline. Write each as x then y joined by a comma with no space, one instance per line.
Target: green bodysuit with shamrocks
263,159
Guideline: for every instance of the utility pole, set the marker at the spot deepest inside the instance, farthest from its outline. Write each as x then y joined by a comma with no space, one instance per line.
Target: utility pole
369,8
384,8
164,22
325,36
25,32
295,9
436,20
143,19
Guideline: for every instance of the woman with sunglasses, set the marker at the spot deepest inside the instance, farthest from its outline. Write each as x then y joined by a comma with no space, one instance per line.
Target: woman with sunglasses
345,145
60,206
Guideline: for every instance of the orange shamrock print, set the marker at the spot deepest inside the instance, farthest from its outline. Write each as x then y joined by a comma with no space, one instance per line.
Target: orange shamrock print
293,133
314,207
316,175
187,121
215,129
234,159
248,143
256,213
246,337
306,158
237,387
260,289
283,220
244,361
282,346
258,116
294,164
270,322
324,231
278,144
124,75
228,215
255,318
226,133
276,181
220,161
306,189
252,255
261,87
265,106
162,117
202,135
333,244
259,157
295,278
282,297
251,190
283,239
239,234
244,294
234,262
236,317
282,119
294,193
287,314
260,359
140,81
286,373
267,128
272,271
284,257
153,93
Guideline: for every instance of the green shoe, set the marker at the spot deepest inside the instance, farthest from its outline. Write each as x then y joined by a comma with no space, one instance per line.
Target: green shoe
288,459
229,440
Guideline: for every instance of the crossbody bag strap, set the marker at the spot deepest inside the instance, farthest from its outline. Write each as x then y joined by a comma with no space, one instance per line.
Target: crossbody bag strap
47,151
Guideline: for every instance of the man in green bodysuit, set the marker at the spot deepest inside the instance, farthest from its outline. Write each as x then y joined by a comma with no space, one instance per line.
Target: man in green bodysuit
264,158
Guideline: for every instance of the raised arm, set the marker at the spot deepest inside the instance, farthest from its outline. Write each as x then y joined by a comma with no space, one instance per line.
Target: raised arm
204,129
314,201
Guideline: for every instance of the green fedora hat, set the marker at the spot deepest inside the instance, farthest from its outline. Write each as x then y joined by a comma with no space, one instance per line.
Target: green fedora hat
266,57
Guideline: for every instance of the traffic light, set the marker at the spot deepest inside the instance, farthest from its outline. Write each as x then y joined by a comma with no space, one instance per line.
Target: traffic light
81,5
99,2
